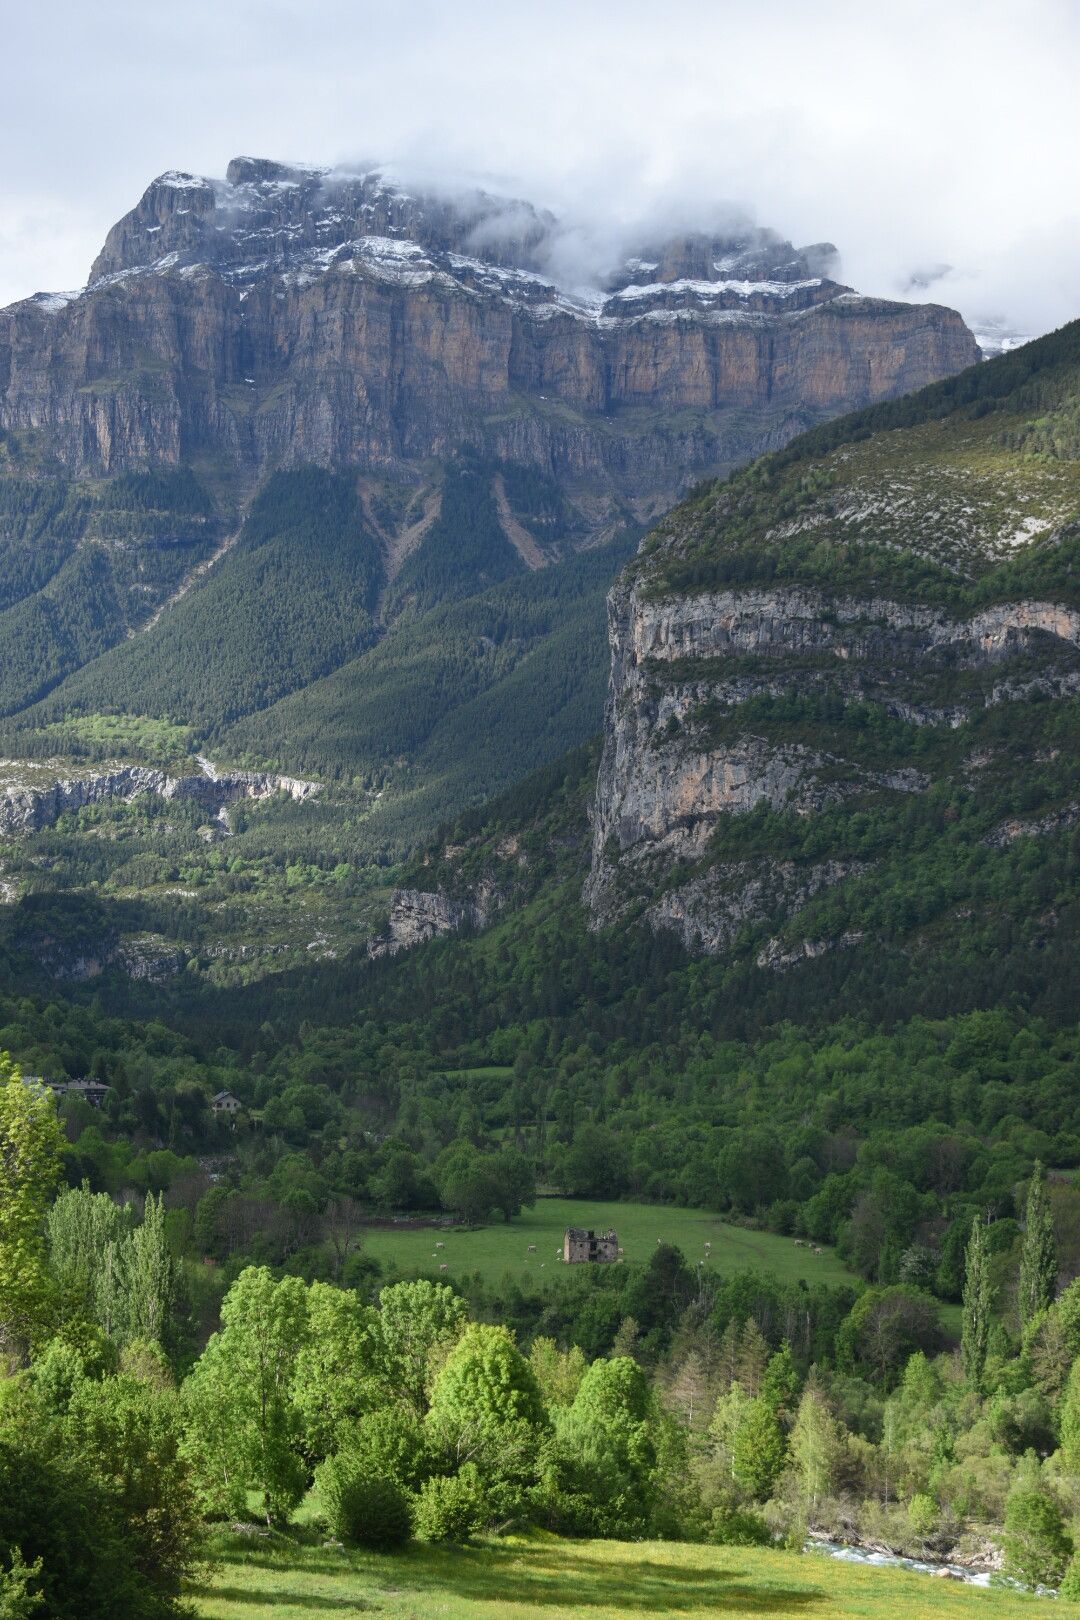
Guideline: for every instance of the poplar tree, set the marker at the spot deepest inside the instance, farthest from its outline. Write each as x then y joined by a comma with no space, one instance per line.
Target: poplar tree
150,1276
1038,1254
975,1330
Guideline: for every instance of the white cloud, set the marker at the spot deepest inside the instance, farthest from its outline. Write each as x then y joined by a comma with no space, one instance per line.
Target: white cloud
911,134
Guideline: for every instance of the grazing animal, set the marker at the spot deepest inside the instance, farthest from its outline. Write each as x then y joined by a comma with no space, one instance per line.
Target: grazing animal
444,1266
532,1248
440,1245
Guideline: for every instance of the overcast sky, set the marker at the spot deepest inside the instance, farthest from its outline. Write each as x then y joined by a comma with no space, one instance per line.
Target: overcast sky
913,134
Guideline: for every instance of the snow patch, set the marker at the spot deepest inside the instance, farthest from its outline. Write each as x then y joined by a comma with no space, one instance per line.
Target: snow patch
178,180
51,302
715,289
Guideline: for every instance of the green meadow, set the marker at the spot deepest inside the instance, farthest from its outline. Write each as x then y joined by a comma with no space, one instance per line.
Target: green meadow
521,1578
495,1250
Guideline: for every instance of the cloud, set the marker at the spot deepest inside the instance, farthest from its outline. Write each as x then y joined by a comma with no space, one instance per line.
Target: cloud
912,134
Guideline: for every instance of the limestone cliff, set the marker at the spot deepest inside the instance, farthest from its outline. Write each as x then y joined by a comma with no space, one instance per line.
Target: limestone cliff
289,315
26,807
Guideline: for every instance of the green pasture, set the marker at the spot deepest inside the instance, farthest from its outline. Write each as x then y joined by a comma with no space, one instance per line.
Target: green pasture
522,1578
494,1250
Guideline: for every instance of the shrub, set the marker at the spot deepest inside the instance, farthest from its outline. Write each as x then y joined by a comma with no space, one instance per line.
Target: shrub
738,1527
922,1514
1070,1585
451,1508
1036,1544
362,1510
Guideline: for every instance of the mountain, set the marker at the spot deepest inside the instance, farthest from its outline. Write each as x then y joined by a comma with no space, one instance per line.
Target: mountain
291,315
320,478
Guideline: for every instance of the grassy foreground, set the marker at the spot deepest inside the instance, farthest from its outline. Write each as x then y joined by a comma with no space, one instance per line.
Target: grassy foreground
607,1580
494,1250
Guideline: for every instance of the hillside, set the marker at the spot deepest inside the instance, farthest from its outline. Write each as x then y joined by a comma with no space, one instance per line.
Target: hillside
843,710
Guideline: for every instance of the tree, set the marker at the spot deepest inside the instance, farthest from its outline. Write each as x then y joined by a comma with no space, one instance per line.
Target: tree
814,1447
390,1441
485,1386
558,1372
98,1497
486,1408
595,1165
689,1389
417,1324
728,1417
513,1182
31,1143
758,1452
781,1383
244,1429
149,1276
1070,1420
466,1182
334,1378
1038,1253
342,1226
128,1436
86,1232
17,1600
1036,1544
885,1326
605,1454
975,1327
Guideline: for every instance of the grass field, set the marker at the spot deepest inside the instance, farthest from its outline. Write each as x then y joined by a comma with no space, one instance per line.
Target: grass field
517,1579
494,1250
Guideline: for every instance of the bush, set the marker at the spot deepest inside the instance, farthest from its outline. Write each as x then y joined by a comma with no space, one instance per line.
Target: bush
738,1527
1036,1544
922,1514
451,1508
1070,1585
362,1510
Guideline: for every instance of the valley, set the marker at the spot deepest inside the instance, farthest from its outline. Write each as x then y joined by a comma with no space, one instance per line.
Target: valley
482,756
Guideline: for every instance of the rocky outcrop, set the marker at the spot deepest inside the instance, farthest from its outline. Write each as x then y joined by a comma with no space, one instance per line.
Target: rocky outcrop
417,916
28,809
1038,827
708,911
296,315
678,759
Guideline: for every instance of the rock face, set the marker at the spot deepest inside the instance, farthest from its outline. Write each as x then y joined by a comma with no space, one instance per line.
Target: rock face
28,809
680,760
417,916
285,315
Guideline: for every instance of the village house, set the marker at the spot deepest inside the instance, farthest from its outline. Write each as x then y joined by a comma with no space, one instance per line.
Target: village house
580,1244
223,1102
92,1091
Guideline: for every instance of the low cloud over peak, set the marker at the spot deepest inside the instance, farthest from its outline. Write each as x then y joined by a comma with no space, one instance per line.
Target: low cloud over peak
935,145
